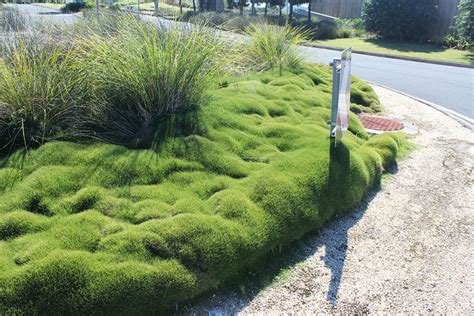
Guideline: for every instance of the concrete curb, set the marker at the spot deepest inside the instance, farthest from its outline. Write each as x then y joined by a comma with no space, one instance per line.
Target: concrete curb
415,59
463,120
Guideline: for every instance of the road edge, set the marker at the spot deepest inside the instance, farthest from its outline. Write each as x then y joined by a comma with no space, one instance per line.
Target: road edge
414,59
463,120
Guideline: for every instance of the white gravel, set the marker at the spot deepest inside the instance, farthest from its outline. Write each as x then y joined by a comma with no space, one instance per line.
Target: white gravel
407,250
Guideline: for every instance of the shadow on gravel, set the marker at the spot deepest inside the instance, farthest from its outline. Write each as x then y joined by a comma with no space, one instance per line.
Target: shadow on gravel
333,238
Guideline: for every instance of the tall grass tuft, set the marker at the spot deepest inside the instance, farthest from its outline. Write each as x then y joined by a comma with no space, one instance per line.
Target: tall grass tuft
38,91
144,73
11,19
272,46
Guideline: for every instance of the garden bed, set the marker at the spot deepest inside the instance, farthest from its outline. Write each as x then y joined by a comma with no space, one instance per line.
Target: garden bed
90,227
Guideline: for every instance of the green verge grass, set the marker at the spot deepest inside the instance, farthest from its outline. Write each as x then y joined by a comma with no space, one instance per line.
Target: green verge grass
417,50
49,5
90,227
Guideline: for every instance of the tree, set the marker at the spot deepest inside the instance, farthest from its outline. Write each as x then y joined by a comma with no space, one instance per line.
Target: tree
207,5
242,4
253,11
463,22
157,6
254,2
402,20
309,11
292,3
274,3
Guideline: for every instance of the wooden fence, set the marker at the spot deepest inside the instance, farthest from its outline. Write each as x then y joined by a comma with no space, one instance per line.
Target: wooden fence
348,9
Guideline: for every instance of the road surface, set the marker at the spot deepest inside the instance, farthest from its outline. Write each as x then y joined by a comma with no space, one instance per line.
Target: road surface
448,86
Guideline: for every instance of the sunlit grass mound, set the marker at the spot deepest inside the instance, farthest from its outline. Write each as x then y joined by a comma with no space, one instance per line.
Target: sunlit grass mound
96,228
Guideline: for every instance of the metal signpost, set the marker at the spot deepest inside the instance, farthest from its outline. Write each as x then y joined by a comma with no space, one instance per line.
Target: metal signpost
341,95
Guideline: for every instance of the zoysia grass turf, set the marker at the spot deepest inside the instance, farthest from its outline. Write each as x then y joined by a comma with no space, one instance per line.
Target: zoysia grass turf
99,228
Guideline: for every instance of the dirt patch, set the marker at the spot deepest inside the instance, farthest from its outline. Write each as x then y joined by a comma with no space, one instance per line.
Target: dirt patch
408,249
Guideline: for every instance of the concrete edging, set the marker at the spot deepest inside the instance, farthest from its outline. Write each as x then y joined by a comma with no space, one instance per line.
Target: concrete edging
415,59
463,120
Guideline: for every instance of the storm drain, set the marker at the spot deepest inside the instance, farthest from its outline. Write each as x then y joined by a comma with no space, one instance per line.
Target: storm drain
382,124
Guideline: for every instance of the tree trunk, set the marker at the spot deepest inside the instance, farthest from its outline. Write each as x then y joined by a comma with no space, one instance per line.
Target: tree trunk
254,12
279,7
97,6
290,16
157,6
194,6
266,8
309,12
241,8
180,7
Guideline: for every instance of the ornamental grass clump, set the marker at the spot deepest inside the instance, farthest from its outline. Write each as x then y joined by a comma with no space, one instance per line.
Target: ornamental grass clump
145,73
11,20
273,46
112,77
39,92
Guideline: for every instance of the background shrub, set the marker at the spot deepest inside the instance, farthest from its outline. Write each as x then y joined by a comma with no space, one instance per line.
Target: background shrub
402,20
72,7
463,22
351,27
321,30
326,30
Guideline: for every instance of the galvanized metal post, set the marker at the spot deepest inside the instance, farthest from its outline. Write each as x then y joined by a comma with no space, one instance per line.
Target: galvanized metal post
336,75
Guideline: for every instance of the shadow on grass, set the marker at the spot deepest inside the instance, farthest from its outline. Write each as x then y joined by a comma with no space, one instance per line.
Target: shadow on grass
331,240
469,57
406,47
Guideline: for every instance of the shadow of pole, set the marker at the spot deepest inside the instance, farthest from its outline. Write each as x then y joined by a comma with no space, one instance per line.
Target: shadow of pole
338,188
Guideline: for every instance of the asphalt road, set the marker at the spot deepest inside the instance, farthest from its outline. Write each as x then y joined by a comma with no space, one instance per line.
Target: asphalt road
447,86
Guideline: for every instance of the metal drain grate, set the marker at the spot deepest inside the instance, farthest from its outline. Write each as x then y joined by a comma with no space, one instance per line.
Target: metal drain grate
380,123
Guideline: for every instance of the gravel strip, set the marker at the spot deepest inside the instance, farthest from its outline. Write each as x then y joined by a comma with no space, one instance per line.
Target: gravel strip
408,249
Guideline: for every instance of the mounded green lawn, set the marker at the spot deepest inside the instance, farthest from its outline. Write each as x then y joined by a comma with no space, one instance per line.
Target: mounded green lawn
402,49
97,228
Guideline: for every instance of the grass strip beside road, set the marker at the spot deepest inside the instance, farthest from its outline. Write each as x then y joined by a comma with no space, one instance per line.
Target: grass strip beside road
412,50
55,6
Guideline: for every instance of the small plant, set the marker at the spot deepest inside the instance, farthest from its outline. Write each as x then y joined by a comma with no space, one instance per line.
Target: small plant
273,46
452,41
345,33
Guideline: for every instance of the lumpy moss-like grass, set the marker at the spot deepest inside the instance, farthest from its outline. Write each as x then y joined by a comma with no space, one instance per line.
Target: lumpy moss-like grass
98,228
